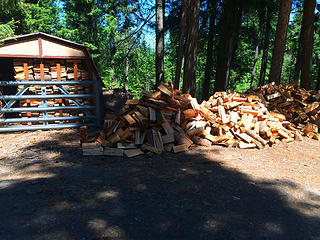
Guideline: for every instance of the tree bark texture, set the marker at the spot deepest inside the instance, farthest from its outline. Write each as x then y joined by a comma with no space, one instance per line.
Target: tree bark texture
181,43
126,85
208,68
297,67
160,5
280,41
254,65
190,63
307,43
126,29
265,53
253,74
231,20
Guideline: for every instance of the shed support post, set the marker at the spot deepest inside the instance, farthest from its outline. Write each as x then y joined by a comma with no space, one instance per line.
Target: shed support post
98,103
44,104
43,87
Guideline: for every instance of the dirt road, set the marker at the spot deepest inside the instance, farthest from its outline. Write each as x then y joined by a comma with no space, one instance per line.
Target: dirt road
48,190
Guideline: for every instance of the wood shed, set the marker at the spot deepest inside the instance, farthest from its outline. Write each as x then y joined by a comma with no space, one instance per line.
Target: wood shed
47,83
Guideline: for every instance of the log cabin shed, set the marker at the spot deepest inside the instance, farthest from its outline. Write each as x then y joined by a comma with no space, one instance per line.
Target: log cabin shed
47,82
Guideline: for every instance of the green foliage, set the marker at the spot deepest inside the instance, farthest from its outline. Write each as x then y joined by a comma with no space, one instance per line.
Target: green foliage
113,32
7,30
42,17
106,27
243,82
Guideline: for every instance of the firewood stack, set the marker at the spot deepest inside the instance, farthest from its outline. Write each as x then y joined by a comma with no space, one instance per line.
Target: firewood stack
67,73
168,120
299,106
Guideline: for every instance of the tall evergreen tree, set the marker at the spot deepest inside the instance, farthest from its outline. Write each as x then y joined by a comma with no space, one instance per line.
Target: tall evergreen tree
231,23
260,13
280,41
297,68
160,9
190,63
180,50
266,42
212,7
307,43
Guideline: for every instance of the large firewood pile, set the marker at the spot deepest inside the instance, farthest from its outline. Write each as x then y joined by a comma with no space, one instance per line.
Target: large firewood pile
168,120
301,107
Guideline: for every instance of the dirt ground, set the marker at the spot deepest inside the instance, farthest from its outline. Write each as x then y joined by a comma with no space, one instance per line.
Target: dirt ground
48,190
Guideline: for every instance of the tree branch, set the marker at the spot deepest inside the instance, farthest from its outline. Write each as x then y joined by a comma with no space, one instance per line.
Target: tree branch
135,32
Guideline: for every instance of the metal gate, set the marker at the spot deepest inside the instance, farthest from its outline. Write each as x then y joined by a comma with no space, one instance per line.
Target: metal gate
10,100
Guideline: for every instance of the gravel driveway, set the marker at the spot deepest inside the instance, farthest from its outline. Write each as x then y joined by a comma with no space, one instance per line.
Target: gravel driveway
48,190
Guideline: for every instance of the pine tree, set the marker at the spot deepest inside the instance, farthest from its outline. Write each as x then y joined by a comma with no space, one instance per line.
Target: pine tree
180,50
212,5
280,41
231,23
190,63
307,43
160,8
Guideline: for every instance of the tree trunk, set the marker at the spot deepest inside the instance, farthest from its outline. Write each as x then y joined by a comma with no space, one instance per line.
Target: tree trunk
126,85
160,5
231,21
190,63
181,44
234,43
265,53
297,67
307,43
126,29
254,66
253,74
280,41
208,69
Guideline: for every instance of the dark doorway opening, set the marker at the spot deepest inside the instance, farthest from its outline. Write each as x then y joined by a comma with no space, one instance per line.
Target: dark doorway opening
7,74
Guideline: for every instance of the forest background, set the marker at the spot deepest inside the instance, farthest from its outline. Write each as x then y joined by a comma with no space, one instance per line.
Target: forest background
216,44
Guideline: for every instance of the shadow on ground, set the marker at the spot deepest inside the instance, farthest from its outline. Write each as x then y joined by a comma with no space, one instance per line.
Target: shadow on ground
171,196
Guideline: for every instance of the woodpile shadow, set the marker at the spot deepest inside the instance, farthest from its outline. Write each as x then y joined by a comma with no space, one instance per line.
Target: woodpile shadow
170,196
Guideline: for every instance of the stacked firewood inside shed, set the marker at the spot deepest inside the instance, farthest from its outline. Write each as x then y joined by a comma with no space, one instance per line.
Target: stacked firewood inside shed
69,71
301,107
168,120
